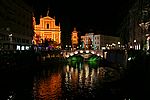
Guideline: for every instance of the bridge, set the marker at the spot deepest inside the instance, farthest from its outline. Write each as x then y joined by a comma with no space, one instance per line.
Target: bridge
71,55
84,53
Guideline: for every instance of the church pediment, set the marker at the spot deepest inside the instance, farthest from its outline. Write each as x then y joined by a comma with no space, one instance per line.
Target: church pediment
48,18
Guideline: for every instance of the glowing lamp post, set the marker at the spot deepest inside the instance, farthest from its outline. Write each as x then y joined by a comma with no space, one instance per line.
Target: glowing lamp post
118,44
10,37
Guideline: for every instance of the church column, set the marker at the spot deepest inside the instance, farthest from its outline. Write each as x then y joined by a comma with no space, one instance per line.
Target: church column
54,37
59,37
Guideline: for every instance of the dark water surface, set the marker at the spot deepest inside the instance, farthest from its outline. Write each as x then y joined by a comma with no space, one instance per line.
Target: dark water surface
59,81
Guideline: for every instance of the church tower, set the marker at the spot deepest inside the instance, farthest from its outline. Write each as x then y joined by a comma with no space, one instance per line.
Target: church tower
74,39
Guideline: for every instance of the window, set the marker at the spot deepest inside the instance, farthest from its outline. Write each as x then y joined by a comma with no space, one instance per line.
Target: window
47,26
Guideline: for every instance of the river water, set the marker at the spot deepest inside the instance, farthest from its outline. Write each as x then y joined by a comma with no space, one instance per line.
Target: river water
61,81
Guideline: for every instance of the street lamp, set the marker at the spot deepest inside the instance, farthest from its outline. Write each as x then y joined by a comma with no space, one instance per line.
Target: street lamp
10,37
119,45
135,45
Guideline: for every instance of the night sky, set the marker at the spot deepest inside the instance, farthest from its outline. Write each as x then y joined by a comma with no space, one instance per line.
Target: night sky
98,15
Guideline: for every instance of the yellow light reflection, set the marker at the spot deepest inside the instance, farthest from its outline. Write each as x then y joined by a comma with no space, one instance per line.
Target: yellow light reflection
67,68
48,88
80,75
86,70
72,69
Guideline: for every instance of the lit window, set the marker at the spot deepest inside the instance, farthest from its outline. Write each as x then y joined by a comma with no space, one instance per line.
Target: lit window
18,47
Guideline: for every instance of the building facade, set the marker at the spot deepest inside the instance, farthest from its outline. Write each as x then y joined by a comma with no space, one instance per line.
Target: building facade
46,30
16,30
96,42
110,42
99,42
134,30
86,41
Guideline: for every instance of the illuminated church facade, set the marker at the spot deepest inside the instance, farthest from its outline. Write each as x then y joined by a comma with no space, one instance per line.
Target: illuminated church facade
46,30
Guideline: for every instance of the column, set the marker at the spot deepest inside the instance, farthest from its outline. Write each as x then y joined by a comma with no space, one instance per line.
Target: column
54,36
59,34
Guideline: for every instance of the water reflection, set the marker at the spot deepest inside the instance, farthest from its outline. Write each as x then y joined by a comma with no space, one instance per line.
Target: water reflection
71,81
47,87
